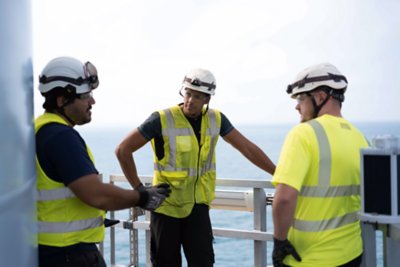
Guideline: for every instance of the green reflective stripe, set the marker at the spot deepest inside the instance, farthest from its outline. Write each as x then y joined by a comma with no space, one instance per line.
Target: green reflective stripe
66,227
54,194
322,225
331,191
324,173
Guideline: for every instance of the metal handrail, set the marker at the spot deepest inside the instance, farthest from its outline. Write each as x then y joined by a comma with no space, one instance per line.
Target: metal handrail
253,199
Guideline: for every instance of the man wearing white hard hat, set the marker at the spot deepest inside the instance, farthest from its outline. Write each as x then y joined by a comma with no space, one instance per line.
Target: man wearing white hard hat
183,139
317,178
71,199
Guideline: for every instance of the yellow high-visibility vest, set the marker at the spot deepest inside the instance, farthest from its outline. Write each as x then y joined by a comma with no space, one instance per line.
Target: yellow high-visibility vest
189,168
63,219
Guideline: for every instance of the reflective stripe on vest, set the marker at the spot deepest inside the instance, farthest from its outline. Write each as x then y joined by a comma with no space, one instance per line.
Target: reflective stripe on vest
324,190
63,227
173,132
189,161
213,131
66,227
77,222
54,194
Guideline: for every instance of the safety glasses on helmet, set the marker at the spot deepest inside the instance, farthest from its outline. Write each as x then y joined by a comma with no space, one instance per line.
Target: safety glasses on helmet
90,78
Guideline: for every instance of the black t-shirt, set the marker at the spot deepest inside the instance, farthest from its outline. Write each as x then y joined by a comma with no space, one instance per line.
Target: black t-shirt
151,128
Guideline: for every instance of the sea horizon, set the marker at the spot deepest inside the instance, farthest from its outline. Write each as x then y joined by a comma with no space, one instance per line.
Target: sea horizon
230,164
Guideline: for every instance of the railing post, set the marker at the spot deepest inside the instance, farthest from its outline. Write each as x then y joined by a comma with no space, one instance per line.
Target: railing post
369,243
112,236
260,224
148,238
133,239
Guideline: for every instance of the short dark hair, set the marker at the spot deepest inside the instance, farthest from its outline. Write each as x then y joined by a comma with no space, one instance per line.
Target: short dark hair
50,103
336,94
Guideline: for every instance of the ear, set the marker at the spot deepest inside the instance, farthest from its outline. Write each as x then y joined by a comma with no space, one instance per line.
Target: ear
320,96
207,100
61,101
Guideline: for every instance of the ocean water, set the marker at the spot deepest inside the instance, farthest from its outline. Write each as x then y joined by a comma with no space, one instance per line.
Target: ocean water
230,164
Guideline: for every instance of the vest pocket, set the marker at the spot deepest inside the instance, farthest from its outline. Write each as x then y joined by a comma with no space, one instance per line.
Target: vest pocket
176,179
179,182
184,143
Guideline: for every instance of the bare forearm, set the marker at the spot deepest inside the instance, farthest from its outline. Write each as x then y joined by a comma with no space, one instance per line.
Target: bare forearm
250,150
112,197
260,159
103,196
283,209
283,218
128,166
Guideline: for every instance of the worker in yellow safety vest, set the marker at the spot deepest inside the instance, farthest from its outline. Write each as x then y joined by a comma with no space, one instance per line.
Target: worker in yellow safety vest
183,139
71,198
317,177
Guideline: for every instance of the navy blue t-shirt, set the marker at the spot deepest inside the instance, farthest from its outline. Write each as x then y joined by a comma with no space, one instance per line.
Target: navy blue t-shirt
62,153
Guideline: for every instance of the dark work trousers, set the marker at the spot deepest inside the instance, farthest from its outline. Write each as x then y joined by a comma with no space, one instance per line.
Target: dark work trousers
353,263
83,258
193,233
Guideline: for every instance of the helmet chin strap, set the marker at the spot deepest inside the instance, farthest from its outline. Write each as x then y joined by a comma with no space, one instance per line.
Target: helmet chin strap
61,111
206,110
317,108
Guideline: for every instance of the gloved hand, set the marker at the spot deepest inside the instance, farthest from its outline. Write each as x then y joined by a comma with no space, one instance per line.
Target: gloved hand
152,197
142,188
282,248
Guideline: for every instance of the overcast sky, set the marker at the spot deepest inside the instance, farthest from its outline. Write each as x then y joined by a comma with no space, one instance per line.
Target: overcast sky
143,49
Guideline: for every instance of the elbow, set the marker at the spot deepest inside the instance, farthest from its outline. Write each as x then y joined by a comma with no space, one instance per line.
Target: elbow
100,206
117,152
120,152
100,203
285,195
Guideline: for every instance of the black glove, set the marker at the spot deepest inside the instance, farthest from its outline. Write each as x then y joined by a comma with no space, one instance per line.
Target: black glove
152,197
141,187
282,248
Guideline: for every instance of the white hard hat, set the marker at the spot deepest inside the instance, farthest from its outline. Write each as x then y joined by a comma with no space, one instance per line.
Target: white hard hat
324,74
200,80
64,71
